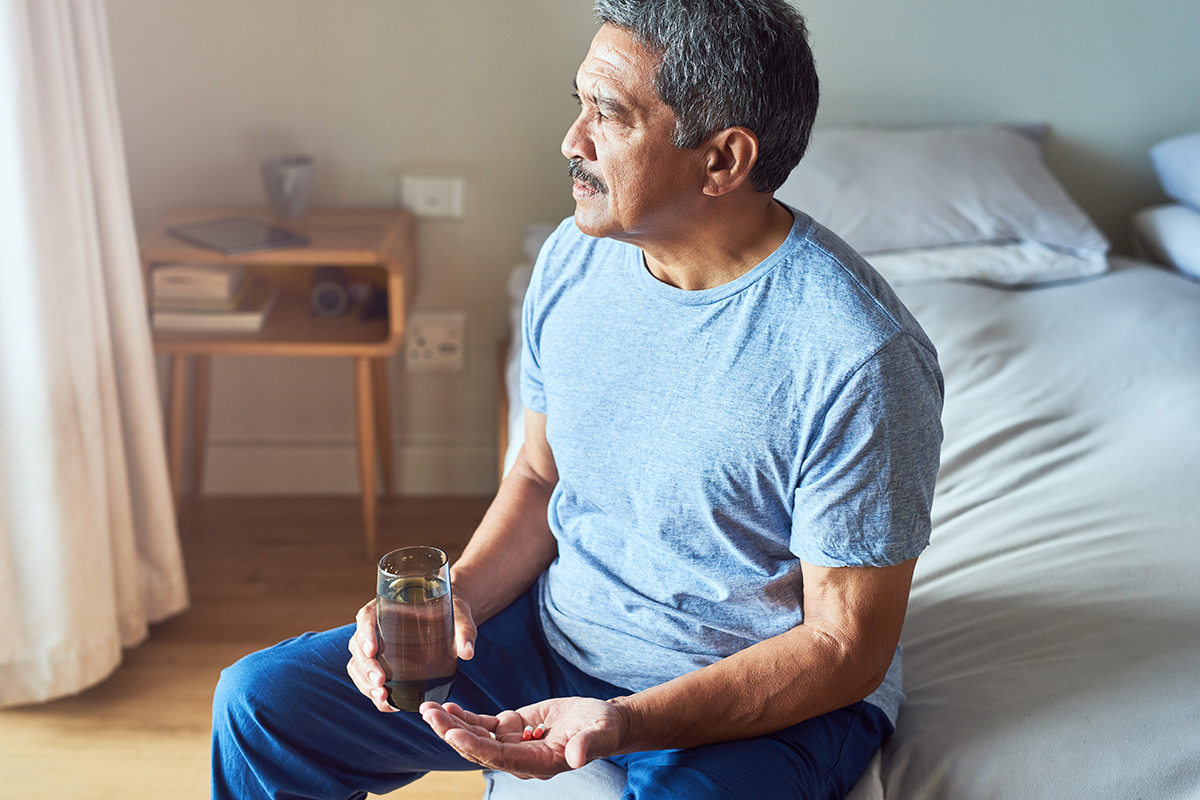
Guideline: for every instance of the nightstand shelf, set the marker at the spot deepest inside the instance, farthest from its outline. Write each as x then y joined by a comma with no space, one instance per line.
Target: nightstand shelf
290,329
380,242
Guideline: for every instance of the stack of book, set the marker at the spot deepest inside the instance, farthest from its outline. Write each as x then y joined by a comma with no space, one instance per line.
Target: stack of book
208,297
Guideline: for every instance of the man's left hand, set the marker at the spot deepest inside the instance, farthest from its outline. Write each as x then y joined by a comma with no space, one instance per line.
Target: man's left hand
577,730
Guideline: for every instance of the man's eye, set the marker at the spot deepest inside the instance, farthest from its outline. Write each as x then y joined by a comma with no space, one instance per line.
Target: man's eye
579,100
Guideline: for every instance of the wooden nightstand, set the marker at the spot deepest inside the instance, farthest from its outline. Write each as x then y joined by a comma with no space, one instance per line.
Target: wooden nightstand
365,239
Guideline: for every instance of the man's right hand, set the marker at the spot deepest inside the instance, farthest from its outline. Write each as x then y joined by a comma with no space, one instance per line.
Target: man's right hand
365,670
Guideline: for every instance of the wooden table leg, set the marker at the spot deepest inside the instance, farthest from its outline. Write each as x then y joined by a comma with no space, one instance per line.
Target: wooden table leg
366,448
201,370
383,422
176,420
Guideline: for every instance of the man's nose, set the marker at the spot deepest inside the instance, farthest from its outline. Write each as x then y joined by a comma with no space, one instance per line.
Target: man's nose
577,143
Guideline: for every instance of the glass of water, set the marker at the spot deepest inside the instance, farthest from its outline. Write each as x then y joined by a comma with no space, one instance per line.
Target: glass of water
414,625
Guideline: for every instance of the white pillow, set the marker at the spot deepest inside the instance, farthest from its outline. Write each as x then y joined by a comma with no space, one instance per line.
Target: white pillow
1177,162
890,190
1016,264
1172,235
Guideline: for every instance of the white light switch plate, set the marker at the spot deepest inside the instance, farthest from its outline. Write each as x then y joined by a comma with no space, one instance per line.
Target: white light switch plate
433,198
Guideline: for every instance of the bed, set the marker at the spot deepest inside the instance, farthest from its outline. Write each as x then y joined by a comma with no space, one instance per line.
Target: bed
1052,643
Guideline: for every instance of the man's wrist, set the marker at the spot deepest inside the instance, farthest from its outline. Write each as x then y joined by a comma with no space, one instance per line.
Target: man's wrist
474,593
628,724
460,584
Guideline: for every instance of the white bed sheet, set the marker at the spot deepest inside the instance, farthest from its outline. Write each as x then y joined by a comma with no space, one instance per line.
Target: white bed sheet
518,284
1052,645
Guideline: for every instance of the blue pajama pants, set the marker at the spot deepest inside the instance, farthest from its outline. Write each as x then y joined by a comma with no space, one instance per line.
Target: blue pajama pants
288,723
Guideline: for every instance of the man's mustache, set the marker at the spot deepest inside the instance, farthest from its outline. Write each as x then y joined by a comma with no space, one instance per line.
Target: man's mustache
576,171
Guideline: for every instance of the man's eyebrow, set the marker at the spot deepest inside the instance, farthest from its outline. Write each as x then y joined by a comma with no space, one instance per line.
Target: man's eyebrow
608,103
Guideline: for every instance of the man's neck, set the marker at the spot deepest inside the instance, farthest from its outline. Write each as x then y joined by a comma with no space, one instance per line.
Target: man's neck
710,252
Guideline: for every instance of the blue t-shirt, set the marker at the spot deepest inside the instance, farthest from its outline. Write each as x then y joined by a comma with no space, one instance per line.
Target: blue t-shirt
707,441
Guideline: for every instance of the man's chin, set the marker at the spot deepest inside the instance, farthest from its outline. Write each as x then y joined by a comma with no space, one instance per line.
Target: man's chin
592,223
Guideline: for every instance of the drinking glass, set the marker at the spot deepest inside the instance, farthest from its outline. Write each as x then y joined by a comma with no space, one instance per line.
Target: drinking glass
288,180
414,624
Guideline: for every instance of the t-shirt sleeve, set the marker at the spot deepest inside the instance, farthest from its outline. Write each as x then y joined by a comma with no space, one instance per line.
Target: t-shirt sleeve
868,475
533,393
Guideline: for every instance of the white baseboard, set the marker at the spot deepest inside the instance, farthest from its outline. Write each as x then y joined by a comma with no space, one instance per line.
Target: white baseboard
264,468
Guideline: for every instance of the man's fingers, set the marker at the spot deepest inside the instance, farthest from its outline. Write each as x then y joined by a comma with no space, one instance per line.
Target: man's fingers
365,634
469,717
521,759
481,749
451,717
370,684
379,697
362,646
464,630
362,668
365,671
509,722
438,718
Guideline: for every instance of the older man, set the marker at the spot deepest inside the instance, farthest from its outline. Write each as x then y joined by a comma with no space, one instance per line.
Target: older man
699,566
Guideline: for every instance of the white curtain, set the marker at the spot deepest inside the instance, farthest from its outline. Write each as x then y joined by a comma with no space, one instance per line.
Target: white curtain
89,552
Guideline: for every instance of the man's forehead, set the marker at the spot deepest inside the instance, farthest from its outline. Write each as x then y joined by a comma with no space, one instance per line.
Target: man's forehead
618,61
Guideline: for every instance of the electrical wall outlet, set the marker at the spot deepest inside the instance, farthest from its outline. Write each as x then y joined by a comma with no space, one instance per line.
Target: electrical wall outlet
435,341
433,198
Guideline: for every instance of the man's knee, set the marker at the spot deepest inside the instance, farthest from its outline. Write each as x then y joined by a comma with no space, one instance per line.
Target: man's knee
243,689
239,680
266,687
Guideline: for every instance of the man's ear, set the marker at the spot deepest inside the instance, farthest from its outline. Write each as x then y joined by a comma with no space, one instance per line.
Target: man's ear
728,157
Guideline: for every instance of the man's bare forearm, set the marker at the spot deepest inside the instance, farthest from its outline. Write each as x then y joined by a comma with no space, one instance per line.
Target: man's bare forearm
839,656
765,688
511,547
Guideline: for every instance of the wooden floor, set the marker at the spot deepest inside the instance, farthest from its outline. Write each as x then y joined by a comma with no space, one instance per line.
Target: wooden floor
260,570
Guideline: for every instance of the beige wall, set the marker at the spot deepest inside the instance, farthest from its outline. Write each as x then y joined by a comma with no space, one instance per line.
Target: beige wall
370,88
480,88
1111,77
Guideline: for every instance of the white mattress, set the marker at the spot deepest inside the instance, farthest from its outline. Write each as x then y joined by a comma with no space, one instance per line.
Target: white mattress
1052,645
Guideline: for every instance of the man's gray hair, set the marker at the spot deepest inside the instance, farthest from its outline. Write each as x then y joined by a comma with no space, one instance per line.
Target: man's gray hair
726,63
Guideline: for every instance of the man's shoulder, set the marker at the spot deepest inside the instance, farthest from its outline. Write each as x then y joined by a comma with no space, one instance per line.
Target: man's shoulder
835,266
842,286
